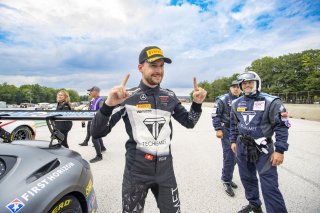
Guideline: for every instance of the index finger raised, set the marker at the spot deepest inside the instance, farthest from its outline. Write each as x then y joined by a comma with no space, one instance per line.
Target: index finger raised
195,85
124,81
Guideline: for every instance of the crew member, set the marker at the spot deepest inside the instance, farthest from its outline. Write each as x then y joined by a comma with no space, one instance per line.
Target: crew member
221,124
255,117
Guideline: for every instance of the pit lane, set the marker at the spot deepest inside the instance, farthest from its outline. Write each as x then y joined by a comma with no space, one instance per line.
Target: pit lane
197,158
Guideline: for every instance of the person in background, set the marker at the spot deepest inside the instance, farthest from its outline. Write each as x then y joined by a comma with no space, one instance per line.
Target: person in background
221,124
95,104
83,124
254,118
63,104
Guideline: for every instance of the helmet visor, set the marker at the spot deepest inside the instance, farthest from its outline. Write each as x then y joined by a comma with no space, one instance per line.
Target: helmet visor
246,77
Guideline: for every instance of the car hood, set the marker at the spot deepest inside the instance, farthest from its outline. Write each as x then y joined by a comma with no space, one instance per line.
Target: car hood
38,173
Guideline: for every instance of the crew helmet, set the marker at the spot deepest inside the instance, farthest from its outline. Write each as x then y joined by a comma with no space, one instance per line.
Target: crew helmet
250,76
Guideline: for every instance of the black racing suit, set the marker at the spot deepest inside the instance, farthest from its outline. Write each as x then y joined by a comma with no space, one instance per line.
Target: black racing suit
147,117
64,126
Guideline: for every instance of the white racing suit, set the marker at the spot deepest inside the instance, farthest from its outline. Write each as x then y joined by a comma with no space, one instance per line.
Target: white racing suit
147,116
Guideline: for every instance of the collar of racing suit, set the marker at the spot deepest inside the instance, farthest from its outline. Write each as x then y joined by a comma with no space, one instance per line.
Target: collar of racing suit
233,96
253,95
148,90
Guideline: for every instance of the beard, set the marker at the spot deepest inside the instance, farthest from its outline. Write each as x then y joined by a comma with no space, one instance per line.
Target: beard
154,80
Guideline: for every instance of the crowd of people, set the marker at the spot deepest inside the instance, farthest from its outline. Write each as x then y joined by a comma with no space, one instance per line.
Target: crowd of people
245,123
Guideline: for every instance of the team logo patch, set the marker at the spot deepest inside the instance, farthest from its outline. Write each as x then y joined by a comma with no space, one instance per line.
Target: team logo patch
284,119
164,98
258,105
143,97
15,205
143,106
148,157
284,115
248,116
154,125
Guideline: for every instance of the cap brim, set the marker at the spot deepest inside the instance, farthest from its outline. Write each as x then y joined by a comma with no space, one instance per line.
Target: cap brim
165,59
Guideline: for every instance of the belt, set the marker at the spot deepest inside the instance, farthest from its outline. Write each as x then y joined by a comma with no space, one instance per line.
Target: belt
248,140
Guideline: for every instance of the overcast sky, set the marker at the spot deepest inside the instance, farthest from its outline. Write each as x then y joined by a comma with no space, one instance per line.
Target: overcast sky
76,44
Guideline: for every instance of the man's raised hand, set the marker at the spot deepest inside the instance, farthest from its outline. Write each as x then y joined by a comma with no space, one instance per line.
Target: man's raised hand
199,94
118,94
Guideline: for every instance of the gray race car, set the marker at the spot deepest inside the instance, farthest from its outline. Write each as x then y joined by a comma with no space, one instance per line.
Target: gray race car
36,178
41,176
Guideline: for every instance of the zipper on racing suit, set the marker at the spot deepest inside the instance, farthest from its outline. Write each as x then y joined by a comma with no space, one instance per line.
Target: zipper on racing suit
156,156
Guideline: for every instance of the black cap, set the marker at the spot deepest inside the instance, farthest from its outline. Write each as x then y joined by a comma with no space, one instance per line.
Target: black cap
151,54
94,88
233,83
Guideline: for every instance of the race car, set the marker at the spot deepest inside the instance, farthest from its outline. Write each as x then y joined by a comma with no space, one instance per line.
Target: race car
37,177
43,176
19,130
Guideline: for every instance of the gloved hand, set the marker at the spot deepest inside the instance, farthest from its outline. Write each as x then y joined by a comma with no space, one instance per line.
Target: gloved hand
252,154
246,140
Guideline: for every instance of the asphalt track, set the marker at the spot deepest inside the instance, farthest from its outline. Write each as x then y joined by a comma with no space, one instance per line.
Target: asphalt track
197,161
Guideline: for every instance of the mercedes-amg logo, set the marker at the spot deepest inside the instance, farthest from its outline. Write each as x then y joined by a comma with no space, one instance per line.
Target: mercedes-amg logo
143,97
154,125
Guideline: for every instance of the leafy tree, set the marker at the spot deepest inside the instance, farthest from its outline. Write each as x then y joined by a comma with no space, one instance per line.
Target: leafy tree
294,72
74,96
32,93
7,93
289,73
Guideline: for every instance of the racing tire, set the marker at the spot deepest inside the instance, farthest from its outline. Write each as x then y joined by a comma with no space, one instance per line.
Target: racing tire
21,133
67,204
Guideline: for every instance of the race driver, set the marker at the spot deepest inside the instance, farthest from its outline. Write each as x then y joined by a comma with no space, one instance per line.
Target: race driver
146,111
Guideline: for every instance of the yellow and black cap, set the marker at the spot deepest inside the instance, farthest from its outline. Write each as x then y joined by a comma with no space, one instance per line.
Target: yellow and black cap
151,54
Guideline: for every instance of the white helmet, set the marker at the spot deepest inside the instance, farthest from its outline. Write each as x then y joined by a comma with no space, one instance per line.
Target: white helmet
250,76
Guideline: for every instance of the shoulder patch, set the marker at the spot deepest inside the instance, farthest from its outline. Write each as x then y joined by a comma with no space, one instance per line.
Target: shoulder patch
167,91
268,96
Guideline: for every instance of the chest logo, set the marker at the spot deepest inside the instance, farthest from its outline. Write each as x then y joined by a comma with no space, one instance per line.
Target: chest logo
248,116
164,98
154,125
143,106
258,105
143,97
241,109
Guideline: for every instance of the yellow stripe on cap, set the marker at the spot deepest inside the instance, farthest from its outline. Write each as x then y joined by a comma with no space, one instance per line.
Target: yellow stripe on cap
150,60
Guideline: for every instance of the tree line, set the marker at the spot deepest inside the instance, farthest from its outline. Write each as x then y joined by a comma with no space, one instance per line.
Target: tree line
287,74
291,73
34,93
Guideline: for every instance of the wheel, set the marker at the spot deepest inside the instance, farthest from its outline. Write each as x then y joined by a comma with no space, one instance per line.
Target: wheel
67,204
21,133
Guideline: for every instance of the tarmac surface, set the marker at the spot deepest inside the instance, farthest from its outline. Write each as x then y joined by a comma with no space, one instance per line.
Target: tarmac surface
197,161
